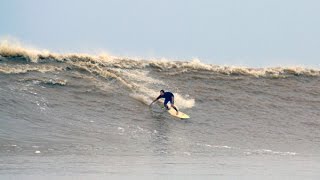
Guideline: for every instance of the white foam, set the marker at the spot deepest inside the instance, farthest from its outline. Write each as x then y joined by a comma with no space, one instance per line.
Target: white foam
10,47
269,152
121,129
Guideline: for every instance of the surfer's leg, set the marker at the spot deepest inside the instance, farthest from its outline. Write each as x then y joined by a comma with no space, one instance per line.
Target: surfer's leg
173,106
166,104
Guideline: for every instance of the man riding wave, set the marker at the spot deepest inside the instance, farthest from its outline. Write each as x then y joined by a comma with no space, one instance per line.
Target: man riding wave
168,97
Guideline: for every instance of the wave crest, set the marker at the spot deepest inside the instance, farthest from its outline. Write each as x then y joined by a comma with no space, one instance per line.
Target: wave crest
86,61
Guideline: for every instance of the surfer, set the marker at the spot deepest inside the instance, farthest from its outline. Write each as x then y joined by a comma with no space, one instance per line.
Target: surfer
168,97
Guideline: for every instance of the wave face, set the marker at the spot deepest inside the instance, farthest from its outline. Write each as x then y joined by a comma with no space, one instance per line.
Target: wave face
55,104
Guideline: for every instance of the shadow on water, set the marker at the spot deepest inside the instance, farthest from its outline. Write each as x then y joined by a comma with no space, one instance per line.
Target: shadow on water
160,140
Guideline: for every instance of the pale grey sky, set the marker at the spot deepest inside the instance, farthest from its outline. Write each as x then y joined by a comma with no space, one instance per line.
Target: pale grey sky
232,32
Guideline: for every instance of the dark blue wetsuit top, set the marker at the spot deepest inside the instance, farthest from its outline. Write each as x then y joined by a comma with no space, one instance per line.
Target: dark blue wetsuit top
167,97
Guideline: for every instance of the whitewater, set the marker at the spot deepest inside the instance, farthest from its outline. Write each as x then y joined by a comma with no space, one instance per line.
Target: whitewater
82,116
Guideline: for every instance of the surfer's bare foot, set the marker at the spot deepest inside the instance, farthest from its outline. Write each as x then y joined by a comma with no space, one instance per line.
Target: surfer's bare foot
177,112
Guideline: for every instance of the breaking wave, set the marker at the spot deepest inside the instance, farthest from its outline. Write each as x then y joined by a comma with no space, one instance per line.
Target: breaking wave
94,63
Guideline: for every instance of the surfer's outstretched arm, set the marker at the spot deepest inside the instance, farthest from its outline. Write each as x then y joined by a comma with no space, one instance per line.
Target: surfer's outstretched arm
155,100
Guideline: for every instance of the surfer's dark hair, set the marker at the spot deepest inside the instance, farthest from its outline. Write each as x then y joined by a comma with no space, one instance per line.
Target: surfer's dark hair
162,90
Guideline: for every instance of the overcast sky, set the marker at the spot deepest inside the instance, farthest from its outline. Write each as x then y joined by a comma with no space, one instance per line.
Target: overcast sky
231,32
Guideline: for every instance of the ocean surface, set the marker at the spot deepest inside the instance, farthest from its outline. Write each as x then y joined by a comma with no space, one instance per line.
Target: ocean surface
80,116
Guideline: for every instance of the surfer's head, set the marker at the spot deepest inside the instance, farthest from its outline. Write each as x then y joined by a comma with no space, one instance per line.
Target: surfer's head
162,92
